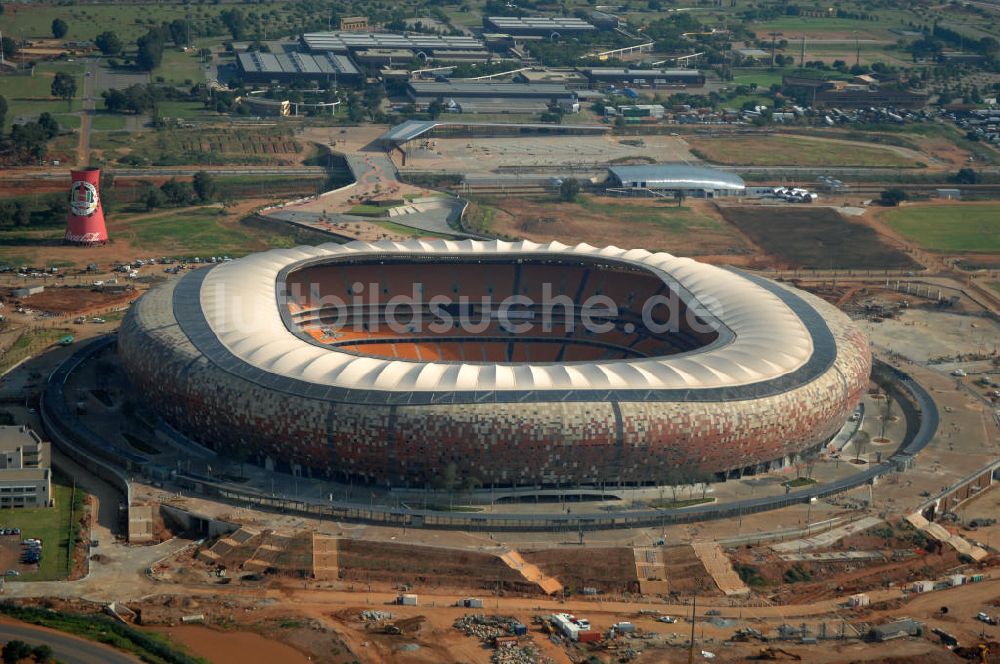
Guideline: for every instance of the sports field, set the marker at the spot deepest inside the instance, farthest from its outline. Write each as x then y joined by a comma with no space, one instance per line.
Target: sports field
780,150
958,227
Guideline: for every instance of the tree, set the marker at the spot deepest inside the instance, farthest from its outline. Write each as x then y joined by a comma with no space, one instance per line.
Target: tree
150,52
109,43
893,197
152,198
964,175
435,109
9,47
64,87
3,112
679,196
204,186
49,125
179,31
861,439
176,192
15,651
42,654
569,189
59,28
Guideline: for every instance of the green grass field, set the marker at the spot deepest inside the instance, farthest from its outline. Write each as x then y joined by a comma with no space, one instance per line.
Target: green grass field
52,525
180,68
67,121
107,121
186,110
958,228
393,227
798,25
31,95
199,231
101,121
127,20
794,151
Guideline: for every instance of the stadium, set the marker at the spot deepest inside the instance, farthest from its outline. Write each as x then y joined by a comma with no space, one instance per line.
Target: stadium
599,366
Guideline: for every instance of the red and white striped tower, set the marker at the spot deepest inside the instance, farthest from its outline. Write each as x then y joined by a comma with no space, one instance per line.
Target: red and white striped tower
85,218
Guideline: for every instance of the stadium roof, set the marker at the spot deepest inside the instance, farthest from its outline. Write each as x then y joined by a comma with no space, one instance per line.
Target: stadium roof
677,176
765,336
351,41
296,63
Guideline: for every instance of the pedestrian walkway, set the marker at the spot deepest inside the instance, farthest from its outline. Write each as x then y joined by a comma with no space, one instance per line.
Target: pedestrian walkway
717,564
531,572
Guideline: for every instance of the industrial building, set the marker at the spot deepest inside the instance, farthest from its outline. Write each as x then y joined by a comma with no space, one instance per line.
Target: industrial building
329,69
489,97
536,26
763,374
353,23
25,468
422,47
645,78
669,179
573,80
864,97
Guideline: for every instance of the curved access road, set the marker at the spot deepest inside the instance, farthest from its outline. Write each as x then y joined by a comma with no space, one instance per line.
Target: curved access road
66,648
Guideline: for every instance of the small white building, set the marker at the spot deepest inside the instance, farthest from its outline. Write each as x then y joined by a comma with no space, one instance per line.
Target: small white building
861,599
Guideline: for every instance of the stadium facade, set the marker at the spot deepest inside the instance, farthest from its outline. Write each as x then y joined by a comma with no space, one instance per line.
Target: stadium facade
289,357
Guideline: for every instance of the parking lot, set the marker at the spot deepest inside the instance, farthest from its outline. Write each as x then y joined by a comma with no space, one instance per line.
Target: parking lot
15,555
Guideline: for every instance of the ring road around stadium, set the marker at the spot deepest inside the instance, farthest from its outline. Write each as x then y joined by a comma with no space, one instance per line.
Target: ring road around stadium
246,357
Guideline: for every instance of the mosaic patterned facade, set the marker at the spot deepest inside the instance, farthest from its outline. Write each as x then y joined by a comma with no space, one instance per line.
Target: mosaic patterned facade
523,443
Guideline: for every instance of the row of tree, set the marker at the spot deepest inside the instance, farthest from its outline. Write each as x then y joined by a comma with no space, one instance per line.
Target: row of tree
173,192
26,142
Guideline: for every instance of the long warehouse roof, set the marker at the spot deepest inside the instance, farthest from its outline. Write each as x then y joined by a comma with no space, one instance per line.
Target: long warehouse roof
678,175
296,63
350,41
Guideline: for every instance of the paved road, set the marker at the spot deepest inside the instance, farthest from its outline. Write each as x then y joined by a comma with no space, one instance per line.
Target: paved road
83,148
66,648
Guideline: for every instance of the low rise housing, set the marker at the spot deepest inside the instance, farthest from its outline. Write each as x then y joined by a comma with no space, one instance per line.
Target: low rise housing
25,468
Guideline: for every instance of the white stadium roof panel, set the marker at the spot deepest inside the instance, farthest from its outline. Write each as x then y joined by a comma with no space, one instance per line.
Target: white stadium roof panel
239,303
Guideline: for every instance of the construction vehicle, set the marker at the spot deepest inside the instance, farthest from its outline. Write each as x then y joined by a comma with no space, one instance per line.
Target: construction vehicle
389,628
772,654
979,653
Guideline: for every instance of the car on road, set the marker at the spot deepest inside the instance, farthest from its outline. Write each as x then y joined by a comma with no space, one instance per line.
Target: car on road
670,620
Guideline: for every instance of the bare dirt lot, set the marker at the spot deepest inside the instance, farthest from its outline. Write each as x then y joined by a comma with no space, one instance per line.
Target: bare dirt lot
695,229
815,237
80,300
478,155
